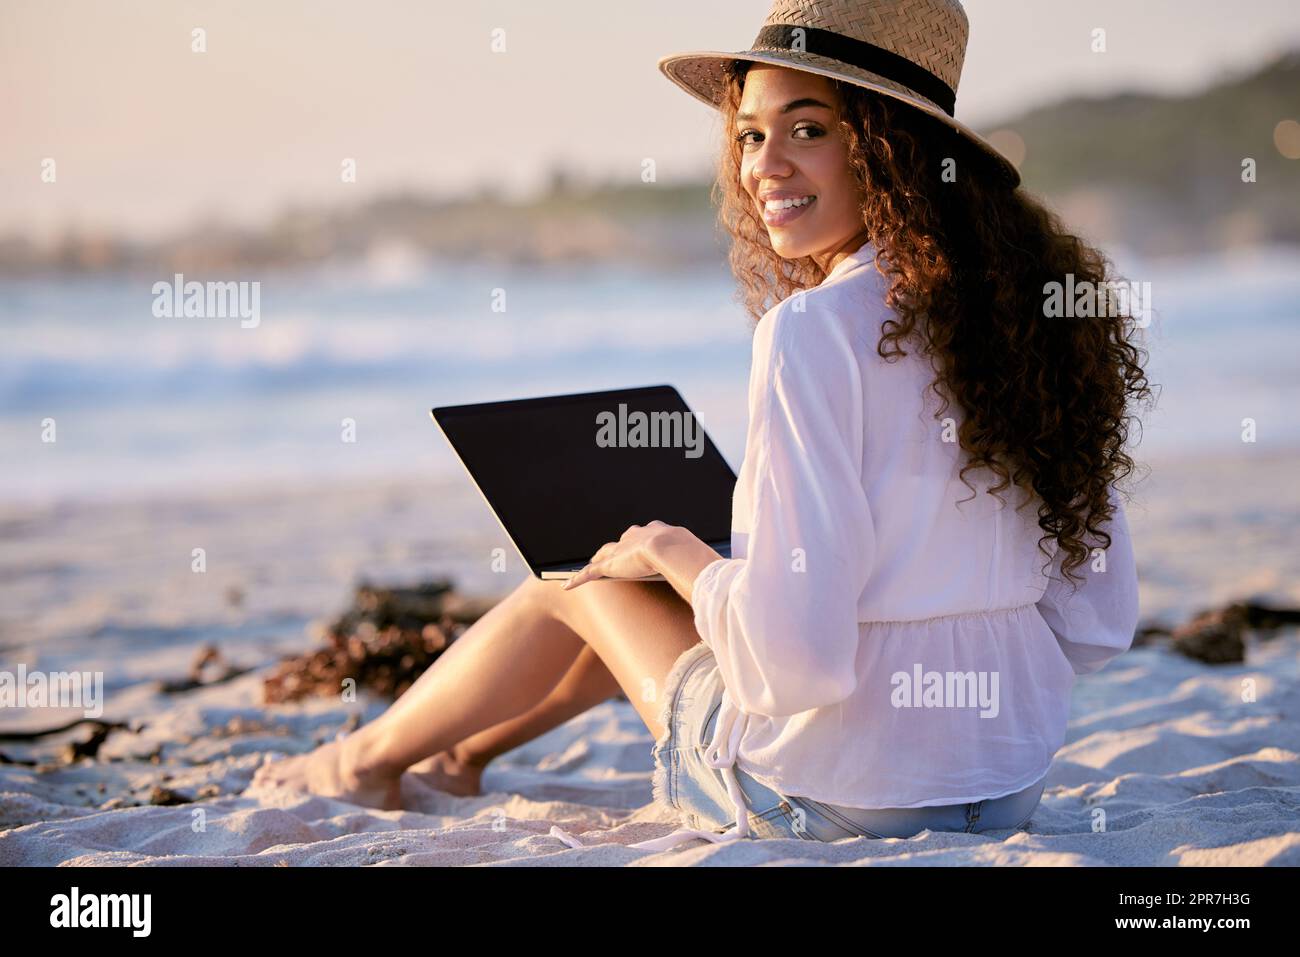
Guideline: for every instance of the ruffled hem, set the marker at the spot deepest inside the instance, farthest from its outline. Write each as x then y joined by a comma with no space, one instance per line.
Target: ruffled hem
659,781
672,685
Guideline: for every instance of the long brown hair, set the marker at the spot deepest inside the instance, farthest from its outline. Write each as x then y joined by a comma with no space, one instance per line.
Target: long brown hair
1045,400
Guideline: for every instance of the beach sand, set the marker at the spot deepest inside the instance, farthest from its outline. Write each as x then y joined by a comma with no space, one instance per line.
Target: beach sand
1167,761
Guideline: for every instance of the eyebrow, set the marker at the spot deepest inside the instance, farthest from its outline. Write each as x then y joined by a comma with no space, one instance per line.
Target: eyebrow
792,105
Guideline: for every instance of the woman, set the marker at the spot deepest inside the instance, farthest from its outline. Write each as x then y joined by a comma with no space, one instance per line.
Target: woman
892,646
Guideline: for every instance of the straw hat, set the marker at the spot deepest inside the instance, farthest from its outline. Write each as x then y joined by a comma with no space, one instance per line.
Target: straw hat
911,50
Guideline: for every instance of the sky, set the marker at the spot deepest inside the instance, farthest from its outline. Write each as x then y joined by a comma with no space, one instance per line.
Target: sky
149,136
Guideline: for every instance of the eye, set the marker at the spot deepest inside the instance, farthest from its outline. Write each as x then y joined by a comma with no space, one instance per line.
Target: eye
812,129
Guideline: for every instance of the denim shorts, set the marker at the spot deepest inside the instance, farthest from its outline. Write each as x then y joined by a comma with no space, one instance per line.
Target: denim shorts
698,793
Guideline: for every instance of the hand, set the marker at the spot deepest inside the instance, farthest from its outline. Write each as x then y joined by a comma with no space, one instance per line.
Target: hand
629,557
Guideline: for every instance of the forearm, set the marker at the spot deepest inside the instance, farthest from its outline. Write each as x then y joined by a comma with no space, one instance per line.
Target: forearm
680,557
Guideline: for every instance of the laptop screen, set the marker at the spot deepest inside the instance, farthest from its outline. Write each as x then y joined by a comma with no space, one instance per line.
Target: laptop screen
565,474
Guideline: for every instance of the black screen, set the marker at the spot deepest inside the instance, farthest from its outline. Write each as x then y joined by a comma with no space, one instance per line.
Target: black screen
561,493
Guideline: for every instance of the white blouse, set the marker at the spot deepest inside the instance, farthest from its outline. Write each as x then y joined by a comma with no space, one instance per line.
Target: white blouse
880,644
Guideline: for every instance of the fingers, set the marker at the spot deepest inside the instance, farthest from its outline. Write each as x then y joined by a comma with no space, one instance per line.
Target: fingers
603,555
591,571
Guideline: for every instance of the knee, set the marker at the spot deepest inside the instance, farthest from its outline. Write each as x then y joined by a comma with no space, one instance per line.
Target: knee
550,596
544,595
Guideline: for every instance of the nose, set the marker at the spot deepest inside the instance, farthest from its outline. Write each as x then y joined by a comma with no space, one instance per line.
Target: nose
770,162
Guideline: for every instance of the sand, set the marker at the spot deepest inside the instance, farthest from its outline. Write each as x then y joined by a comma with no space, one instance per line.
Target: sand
1189,764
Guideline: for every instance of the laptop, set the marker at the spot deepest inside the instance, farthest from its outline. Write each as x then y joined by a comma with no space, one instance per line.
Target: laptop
564,474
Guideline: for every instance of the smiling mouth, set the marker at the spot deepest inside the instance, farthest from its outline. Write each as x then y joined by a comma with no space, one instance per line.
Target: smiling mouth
779,212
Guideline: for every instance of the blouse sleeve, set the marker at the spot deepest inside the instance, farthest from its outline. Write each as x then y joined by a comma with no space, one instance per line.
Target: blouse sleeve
1095,623
783,621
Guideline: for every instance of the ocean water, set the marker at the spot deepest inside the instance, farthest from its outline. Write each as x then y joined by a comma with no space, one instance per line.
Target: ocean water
144,404
148,406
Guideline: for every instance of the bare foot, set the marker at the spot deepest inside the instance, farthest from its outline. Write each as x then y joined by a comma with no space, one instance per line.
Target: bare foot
330,771
446,772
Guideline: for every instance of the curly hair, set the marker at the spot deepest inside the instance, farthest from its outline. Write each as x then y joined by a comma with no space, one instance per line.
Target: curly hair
968,261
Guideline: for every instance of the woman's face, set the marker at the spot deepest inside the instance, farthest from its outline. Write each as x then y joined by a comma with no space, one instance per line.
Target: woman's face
794,163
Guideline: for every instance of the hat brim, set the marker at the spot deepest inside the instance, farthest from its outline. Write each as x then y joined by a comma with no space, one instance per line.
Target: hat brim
700,73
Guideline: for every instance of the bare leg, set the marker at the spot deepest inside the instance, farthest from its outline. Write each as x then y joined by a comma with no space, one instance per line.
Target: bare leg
354,770
497,670
460,770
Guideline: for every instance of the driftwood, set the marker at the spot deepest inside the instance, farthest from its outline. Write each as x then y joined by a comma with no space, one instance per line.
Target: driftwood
46,732
72,751
383,642
208,668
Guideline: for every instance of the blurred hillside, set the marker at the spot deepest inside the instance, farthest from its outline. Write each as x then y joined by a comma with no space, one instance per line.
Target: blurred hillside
1160,175
1163,175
